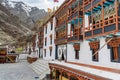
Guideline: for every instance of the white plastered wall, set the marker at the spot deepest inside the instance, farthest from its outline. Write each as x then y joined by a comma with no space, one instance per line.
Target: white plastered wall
85,55
49,32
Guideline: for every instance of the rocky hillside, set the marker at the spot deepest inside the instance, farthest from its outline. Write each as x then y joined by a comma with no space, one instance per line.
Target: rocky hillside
10,25
26,14
16,20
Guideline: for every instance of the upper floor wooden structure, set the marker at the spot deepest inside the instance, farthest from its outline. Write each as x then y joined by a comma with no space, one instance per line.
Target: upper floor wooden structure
33,42
41,37
75,20
70,12
103,18
61,24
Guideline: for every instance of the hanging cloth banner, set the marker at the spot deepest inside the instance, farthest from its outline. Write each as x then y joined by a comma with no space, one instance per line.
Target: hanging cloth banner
56,1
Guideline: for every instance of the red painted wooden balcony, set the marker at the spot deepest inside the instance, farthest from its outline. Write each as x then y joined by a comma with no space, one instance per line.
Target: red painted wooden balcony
108,22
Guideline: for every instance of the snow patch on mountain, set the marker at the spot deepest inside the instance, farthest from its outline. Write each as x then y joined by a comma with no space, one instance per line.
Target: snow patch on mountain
20,5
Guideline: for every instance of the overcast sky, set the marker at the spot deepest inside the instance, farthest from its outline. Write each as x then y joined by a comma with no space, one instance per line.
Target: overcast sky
42,4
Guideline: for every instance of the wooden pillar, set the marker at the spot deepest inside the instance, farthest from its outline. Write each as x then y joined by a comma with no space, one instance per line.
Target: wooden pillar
50,73
114,44
55,74
102,18
116,10
61,74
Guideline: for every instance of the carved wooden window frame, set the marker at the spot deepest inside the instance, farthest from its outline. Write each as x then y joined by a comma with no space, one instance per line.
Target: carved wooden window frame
94,46
76,48
114,46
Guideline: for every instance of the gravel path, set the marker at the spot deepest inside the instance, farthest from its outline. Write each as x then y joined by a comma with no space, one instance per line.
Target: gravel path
17,71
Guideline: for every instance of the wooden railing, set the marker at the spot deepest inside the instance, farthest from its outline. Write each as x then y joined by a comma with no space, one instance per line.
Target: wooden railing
102,28
60,40
77,36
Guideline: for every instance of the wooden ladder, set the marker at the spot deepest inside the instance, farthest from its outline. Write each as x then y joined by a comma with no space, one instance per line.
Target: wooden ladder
102,46
10,58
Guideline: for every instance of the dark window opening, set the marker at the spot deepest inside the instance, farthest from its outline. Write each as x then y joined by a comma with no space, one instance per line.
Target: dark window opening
50,52
45,41
51,25
72,27
63,57
76,54
51,40
45,53
46,30
95,55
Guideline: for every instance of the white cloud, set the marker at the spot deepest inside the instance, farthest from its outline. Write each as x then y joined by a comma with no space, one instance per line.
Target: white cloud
42,4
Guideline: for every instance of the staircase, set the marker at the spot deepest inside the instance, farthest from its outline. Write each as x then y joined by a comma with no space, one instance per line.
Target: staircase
41,67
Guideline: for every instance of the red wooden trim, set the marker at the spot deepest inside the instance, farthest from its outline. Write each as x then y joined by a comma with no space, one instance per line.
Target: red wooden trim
79,74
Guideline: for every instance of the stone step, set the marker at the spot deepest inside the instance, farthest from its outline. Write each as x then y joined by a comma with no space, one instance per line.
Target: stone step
36,69
45,66
41,67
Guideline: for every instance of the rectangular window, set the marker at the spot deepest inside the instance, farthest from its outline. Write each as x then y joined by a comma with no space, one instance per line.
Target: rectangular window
45,53
76,54
72,27
50,52
51,25
95,55
45,41
46,30
115,54
51,40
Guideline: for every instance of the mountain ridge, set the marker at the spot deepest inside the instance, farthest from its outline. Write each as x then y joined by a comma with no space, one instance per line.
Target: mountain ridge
14,25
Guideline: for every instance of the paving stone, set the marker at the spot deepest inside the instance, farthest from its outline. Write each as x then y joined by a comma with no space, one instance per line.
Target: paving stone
17,71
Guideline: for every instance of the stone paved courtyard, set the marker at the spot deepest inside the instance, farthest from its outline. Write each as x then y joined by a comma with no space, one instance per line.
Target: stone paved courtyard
17,71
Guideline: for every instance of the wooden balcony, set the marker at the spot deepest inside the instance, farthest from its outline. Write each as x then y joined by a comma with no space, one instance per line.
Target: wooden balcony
60,26
103,18
75,15
76,37
61,40
103,28
75,11
88,3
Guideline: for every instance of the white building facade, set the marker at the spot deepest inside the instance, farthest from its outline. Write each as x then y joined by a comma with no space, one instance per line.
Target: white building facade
48,43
